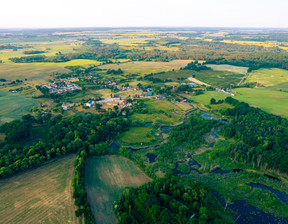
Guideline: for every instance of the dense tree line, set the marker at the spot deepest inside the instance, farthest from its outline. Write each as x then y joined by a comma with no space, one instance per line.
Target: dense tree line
196,66
65,136
17,130
262,137
114,72
9,46
168,200
34,52
40,58
191,132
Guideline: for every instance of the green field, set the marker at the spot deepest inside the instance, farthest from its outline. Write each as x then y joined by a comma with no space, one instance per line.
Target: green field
218,79
106,178
42,195
275,102
30,71
137,135
141,67
229,68
205,98
14,106
268,77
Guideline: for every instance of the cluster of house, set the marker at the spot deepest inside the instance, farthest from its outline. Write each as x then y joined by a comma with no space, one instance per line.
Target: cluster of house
225,91
64,85
113,84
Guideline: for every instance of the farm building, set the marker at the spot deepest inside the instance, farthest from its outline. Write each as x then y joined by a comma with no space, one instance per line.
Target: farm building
90,103
67,105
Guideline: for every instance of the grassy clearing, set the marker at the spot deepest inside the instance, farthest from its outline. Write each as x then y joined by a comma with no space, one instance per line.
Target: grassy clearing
139,67
41,195
106,178
268,77
138,135
14,106
229,68
155,117
274,102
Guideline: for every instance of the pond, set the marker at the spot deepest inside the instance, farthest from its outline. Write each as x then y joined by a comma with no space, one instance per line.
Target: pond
114,147
165,129
211,117
247,213
220,171
193,165
148,124
151,157
281,195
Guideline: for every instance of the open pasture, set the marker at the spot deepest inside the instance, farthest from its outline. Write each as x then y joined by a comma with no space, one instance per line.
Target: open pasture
14,106
274,102
42,195
143,67
106,178
268,77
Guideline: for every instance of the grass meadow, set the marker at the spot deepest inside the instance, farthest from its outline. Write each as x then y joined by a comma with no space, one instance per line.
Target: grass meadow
14,106
41,195
106,178
274,102
138,135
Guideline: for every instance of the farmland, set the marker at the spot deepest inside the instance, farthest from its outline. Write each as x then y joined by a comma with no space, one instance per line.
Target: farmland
268,77
274,102
42,195
106,178
30,72
139,67
218,79
14,106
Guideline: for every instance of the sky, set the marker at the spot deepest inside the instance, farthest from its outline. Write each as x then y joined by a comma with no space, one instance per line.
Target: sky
143,13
